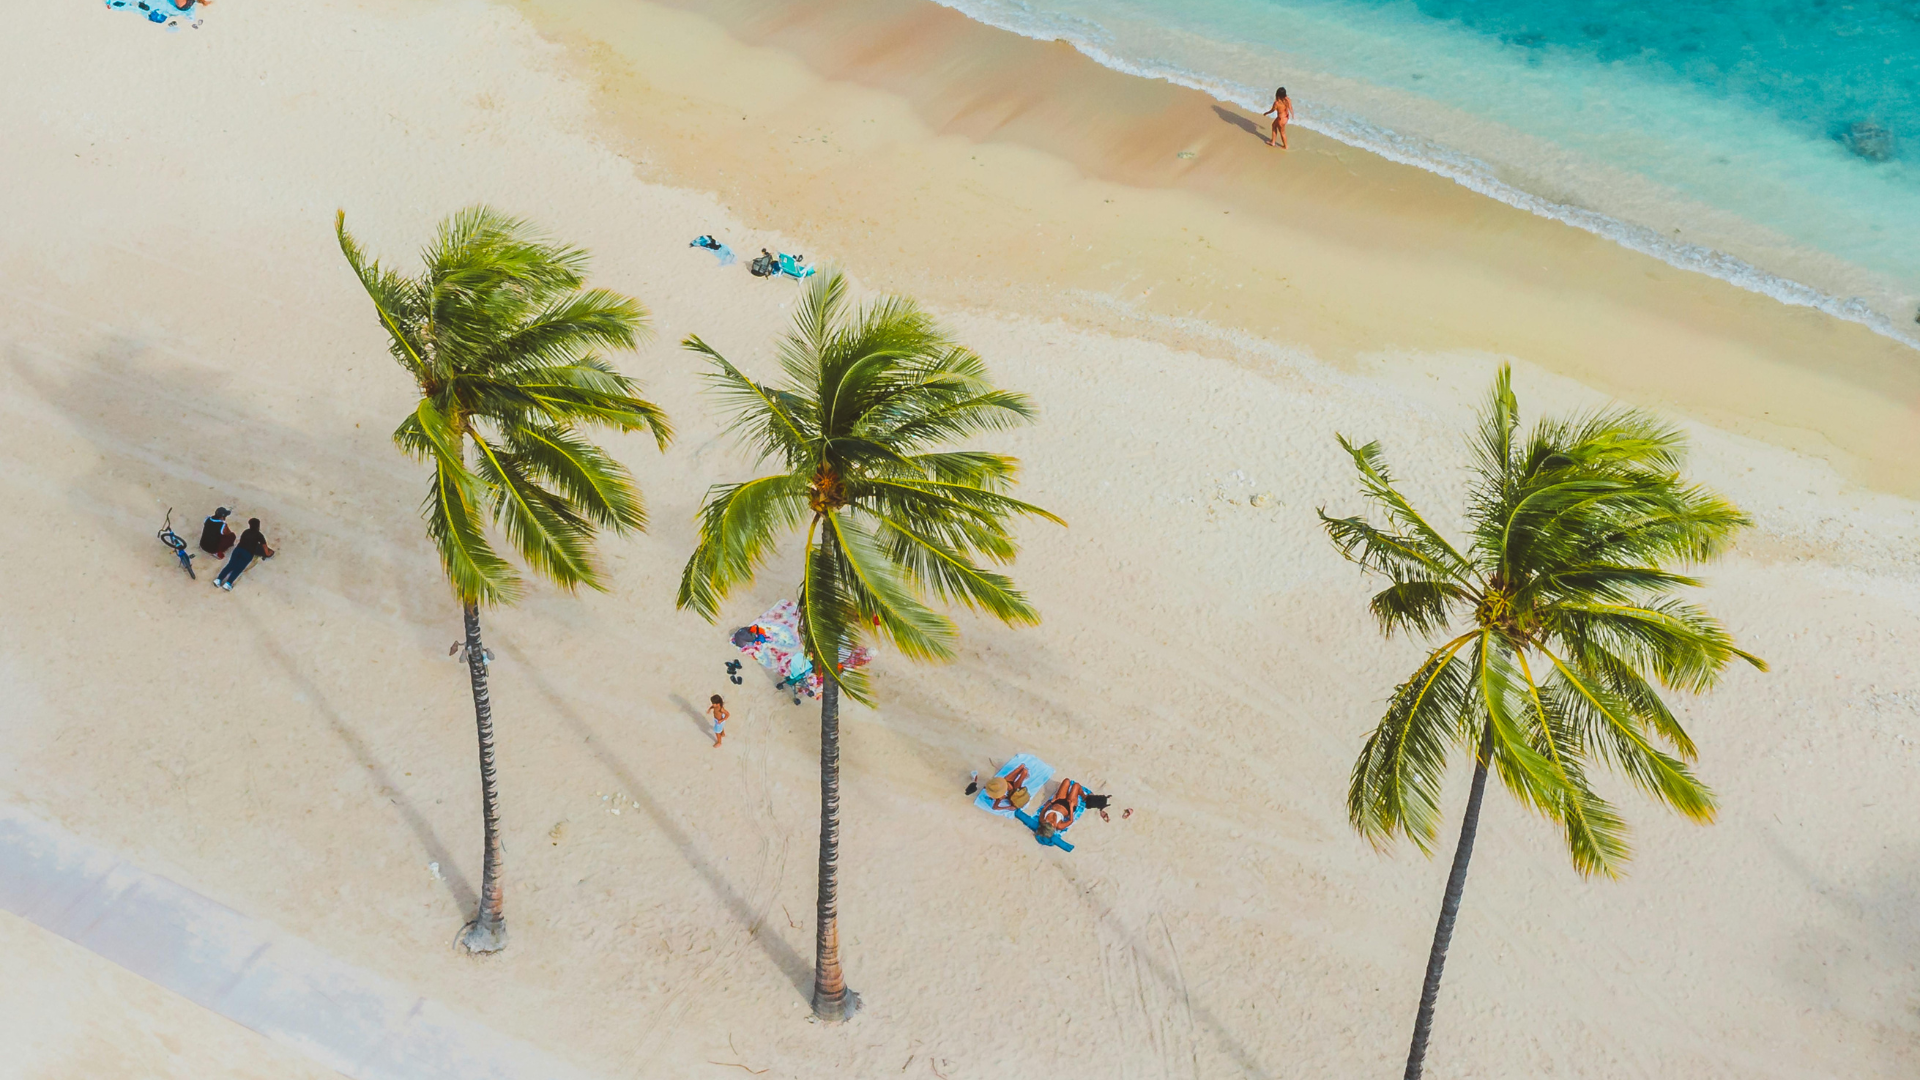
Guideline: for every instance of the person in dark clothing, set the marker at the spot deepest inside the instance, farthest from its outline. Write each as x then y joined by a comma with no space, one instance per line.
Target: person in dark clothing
216,536
252,545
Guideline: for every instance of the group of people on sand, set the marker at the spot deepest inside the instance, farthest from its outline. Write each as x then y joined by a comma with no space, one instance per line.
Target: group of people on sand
1010,792
217,539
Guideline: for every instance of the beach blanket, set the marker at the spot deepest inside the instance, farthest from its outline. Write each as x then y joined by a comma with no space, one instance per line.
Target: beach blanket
1058,840
720,250
773,640
158,12
1038,774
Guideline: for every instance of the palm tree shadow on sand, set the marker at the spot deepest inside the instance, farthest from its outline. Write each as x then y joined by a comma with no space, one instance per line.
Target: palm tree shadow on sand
797,970
457,884
1170,1013
165,433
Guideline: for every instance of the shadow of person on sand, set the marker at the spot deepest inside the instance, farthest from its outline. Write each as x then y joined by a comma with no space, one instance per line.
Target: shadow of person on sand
796,969
1244,123
699,719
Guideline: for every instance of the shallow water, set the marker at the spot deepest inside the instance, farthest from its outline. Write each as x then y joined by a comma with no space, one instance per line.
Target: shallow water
1773,144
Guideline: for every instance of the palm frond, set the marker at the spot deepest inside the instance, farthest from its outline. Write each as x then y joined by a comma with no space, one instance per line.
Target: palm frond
455,511
1402,558
876,586
1419,607
831,619
1376,483
599,487
738,526
930,561
1610,726
395,300
542,526
1680,644
574,326
1395,787
776,426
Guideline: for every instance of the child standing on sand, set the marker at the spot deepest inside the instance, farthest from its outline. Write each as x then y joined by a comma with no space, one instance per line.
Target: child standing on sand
1281,112
718,710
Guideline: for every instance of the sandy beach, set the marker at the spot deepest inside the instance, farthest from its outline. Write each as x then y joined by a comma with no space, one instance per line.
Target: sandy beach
177,329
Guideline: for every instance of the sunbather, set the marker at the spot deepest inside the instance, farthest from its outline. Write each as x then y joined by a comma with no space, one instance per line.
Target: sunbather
1008,792
1059,813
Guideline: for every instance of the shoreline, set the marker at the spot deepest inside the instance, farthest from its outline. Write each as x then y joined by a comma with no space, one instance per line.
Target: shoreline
907,133
1714,242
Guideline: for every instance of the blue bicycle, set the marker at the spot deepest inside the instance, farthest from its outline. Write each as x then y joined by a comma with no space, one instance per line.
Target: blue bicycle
179,546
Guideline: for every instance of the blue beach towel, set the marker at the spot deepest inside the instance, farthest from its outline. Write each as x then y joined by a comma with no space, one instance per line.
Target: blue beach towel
160,12
1038,773
1031,822
720,250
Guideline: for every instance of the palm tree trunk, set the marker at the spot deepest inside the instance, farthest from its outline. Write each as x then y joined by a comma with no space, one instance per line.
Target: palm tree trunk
488,930
1449,908
832,1001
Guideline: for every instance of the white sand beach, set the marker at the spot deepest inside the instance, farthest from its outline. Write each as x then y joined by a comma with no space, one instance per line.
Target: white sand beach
178,329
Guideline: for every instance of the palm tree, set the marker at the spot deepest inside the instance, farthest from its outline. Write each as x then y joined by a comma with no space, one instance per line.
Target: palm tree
500,337
868,396
1568,608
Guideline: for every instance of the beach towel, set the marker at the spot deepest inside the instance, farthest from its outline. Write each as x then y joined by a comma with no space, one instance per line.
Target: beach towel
1033,823
720,250
791,266
773,640
158,12
1038,773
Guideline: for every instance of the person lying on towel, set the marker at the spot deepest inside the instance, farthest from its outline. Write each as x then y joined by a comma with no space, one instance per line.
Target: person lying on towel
1058,815
1061,811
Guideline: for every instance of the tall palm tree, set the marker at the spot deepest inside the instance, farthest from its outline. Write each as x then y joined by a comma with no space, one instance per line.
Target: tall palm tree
1566,608
501,339
869,395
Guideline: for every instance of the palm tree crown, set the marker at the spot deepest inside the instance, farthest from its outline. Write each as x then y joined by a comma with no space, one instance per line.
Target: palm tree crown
1569,610
501,338
868,396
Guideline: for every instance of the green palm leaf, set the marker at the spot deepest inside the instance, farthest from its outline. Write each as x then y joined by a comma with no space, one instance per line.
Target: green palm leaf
1574,527
501,338
865,397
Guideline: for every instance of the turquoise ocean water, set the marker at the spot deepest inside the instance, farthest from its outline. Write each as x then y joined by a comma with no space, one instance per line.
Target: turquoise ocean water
1773,144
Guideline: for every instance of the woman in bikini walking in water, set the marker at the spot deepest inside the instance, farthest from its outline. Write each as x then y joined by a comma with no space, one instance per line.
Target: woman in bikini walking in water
1281,112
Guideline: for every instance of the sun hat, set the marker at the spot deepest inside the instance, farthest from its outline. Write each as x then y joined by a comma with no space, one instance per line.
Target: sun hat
995,787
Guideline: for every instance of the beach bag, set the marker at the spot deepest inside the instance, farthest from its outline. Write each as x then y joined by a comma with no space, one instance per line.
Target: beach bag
764,265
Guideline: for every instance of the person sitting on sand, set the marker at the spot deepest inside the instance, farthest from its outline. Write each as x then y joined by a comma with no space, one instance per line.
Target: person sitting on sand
1008,792
1281,112
216,536
252,545
718,710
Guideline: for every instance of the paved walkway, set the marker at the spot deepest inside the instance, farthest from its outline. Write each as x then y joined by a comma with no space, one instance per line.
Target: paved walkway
346,1018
